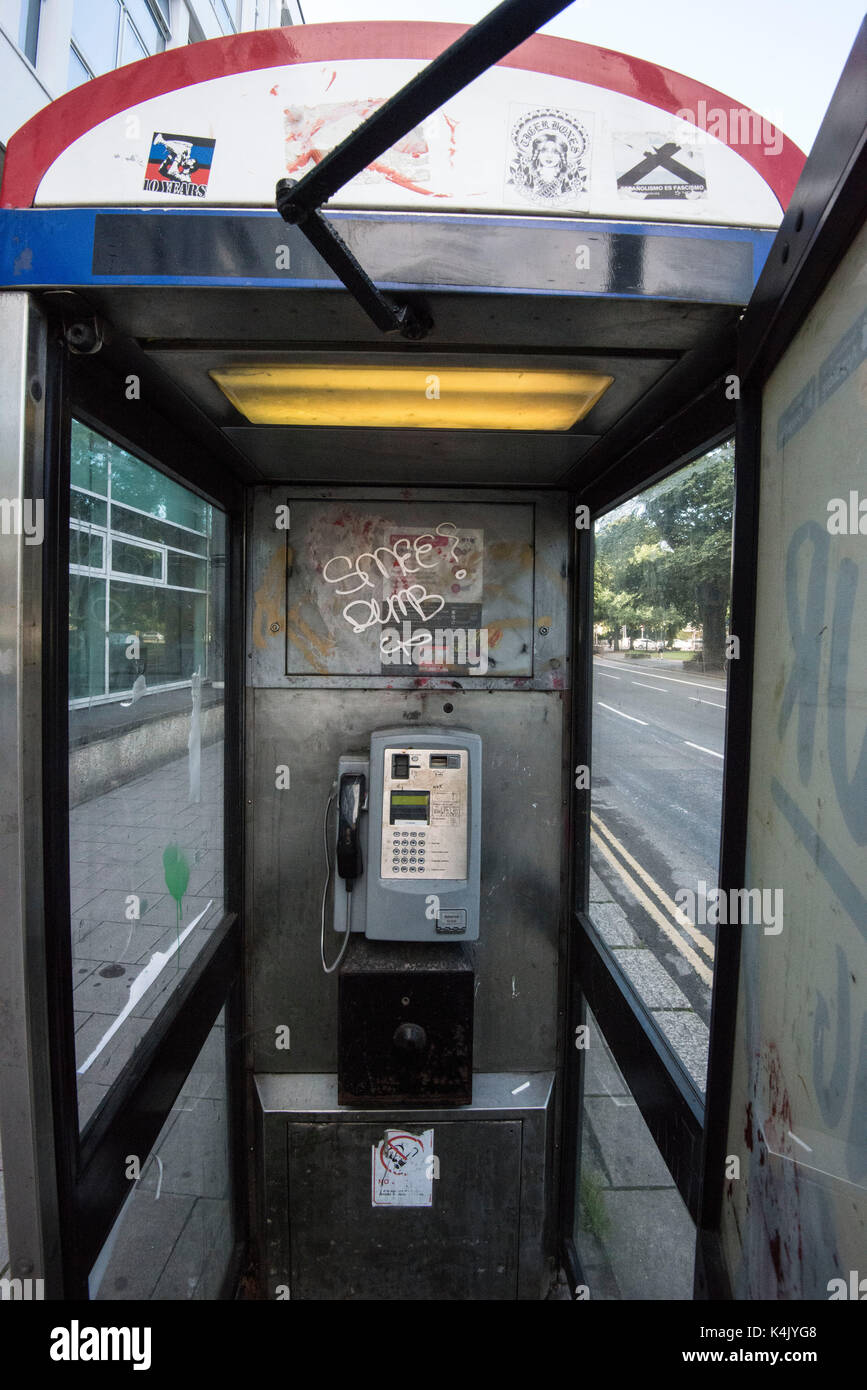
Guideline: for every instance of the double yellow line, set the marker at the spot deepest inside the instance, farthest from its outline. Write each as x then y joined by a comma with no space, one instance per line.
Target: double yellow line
607,844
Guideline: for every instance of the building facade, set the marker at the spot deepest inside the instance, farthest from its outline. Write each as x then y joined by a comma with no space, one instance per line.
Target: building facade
49,46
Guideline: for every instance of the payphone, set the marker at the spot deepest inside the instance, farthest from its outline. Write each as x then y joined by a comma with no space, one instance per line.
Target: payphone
407,858
408,838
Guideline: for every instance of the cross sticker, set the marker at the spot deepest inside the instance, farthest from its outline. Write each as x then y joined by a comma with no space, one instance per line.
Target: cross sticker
661,158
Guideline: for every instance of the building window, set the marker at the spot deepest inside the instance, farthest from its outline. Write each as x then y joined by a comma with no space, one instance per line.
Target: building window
107,34
223,11
28,33
140,552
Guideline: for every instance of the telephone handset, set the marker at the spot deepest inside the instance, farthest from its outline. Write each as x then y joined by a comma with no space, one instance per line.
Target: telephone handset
414,847
351,795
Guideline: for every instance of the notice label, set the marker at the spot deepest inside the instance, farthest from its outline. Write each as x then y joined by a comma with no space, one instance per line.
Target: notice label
402,1169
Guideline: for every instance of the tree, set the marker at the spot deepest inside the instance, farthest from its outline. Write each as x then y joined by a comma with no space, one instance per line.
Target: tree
664,559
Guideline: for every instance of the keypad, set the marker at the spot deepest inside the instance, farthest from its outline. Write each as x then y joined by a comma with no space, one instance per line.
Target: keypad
408,851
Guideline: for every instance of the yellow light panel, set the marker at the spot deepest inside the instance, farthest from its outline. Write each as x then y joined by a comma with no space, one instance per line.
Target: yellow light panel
416,397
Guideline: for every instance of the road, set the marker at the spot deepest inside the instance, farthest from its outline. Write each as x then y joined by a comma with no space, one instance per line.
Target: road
657,767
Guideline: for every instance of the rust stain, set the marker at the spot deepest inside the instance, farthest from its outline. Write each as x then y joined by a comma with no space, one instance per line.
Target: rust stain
315,649
324,645
269,600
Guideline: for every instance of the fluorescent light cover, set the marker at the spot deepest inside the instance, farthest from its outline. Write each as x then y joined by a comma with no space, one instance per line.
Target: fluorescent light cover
413,397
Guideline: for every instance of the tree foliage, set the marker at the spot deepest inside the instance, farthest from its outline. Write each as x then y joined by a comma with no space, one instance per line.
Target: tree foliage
663,560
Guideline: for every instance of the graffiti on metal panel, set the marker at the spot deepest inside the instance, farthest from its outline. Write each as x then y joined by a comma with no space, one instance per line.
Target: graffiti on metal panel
397,592
802,698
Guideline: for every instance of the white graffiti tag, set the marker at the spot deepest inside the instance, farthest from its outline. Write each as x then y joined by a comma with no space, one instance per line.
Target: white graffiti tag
396,562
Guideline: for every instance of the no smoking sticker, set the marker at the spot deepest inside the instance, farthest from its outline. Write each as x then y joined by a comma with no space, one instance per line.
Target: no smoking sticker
402,1169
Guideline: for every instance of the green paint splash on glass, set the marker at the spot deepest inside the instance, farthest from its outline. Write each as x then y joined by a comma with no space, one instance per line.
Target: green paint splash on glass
177,872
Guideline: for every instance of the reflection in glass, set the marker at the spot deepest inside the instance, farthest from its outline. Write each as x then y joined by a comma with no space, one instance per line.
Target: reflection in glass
173,1238
94,28
634,1235
661,596
145,751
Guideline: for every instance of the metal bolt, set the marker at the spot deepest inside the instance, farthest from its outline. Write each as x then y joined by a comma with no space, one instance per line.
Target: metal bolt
275,627
543,631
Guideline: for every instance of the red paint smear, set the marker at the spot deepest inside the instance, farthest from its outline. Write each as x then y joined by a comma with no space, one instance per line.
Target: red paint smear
452,125
778,1121
274,90
775,1256
333,77
748,1127
394,177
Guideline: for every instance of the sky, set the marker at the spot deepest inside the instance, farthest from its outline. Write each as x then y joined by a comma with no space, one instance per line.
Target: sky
783,58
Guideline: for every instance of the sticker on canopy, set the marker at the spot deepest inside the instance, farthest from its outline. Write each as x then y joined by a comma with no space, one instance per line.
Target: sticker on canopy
179,164
655,166
549,159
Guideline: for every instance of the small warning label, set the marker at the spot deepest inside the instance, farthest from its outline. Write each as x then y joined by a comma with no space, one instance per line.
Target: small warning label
403,1167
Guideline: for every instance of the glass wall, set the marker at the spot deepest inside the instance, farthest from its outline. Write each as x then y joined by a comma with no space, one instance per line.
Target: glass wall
661,653
174,1236
634,1234
146,614
140,547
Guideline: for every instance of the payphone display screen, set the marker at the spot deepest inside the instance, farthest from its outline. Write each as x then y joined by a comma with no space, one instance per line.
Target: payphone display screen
410,806
424,814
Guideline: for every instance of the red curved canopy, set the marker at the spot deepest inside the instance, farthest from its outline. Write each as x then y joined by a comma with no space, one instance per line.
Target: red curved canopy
33,149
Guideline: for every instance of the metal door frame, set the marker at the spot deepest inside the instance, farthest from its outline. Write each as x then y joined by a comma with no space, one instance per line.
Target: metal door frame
64,1189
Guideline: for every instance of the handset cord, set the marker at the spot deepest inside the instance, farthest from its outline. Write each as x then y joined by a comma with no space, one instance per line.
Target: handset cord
329,969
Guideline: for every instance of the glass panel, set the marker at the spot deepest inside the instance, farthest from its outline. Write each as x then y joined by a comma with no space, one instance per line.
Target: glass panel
76,72
662,579
134,483
86,548
174,1236
155,529
86,636
634,1235
148,30
89,459
131,49
224,16
145,778
128,558
84,508
28,29
168,626
94,28
186,571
